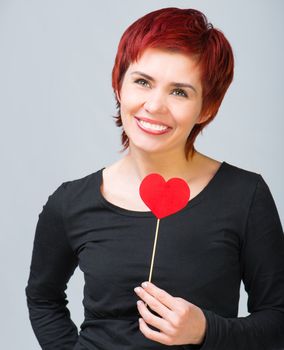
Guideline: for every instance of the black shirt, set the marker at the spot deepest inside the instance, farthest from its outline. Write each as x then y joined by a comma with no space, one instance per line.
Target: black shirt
230,231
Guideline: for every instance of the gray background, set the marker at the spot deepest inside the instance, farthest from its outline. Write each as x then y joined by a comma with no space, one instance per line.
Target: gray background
57,105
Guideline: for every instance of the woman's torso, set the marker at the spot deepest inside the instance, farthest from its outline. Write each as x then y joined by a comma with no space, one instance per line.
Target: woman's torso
197,254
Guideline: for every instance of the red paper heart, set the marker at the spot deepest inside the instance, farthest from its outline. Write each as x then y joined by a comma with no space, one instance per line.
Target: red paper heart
164,198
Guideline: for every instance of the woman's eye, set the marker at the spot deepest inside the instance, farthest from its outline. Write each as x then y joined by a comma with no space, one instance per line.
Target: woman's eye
177,92
142,82
181,92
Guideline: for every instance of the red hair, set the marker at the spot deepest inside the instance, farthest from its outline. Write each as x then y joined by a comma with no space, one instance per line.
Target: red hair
186,31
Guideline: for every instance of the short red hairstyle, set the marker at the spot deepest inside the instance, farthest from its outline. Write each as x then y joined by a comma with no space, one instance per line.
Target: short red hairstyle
186,31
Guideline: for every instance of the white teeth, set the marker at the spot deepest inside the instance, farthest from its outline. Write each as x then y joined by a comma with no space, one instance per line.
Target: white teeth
155,127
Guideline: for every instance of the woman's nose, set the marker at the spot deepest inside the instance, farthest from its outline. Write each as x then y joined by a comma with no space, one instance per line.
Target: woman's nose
156,103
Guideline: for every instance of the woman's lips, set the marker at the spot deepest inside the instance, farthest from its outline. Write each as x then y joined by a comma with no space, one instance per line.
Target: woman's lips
152,127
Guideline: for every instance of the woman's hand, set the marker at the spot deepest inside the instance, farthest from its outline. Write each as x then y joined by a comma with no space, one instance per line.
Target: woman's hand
180,323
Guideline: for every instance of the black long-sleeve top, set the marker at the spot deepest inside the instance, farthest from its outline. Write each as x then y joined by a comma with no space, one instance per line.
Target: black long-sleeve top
230,231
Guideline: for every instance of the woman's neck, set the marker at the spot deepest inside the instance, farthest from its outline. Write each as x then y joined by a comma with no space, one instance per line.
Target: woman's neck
173,164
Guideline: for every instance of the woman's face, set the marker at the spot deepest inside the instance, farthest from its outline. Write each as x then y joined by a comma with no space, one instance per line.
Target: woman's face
160,101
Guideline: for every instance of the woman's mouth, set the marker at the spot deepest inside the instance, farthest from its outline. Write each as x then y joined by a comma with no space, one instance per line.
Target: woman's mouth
152,128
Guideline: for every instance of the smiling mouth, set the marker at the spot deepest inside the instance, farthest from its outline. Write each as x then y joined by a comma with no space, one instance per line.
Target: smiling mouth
152,128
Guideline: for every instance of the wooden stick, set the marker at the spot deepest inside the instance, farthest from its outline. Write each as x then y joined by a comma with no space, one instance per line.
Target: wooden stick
154,251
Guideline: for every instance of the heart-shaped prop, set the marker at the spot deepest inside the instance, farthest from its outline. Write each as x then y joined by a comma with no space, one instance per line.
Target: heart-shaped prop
164,198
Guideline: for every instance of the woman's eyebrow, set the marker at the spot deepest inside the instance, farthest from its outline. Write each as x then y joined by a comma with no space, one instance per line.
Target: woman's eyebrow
172,83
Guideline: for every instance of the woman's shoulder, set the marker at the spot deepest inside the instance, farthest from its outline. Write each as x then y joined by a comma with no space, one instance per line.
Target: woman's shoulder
241,173
228,172
83,180
241,181
76,188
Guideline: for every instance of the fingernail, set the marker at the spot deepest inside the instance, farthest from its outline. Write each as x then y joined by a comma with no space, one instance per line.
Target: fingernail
137,289
144,284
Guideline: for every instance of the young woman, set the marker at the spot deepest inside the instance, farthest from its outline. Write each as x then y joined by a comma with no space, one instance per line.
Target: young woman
170,75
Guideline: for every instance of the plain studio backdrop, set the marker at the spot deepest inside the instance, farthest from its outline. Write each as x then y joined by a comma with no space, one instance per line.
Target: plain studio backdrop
57,105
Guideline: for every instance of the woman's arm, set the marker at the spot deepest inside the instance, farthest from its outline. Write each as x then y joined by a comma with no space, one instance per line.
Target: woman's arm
53,263
262,262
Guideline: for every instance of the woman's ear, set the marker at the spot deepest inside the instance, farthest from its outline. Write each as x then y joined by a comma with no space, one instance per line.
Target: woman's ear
117,95
202,118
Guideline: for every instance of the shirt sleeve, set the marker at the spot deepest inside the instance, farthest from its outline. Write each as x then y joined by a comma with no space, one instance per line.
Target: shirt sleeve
262,266
53,263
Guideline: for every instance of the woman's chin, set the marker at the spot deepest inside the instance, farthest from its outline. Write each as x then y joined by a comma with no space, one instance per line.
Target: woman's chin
147,147
150,148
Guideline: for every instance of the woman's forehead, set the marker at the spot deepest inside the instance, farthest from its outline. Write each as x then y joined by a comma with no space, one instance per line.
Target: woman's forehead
163,64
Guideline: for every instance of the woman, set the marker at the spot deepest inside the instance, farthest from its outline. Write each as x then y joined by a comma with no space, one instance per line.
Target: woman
170,75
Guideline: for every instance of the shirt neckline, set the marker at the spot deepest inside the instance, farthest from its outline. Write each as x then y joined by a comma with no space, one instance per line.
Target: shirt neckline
129,212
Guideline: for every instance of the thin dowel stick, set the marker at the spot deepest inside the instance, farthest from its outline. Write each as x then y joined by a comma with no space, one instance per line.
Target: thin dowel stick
154,250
